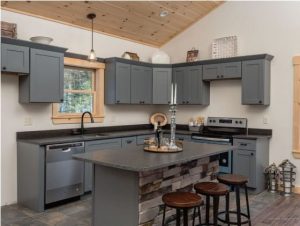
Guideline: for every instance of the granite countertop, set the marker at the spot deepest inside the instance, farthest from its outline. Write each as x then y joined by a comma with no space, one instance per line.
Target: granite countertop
139,160
90,137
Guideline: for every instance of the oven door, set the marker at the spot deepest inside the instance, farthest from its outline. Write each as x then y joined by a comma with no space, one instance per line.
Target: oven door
225,162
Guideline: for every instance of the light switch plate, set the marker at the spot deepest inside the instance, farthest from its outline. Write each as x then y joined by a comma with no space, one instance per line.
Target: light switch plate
265,120
27,121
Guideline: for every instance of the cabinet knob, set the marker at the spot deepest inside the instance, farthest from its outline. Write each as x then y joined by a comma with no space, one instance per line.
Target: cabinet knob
222,76
169,102
260,101
252,154
218,76
61,100
187,102
118,101
3,68
183,102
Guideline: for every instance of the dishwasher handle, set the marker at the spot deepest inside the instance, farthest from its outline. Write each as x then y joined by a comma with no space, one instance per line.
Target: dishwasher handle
64,147
66,150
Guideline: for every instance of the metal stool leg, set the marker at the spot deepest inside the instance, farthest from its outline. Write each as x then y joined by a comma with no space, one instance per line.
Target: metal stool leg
216,209
185,217
177,217
194,215
164,215
207,209
227,208
247,202
199,215
238,205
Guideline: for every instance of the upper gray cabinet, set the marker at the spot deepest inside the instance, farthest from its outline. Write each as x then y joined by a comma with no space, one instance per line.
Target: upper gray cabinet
162,79
228,70
117,83
42,66
14,59
256,82
141,85
45,83
191,89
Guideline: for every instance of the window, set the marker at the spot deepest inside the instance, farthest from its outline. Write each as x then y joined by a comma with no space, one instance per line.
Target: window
83,91
296,120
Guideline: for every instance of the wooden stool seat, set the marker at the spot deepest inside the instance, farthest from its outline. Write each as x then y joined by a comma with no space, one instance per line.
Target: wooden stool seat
182,200
232,179
211,188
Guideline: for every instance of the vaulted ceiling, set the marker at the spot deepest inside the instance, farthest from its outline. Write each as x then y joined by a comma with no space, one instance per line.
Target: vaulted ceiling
139,21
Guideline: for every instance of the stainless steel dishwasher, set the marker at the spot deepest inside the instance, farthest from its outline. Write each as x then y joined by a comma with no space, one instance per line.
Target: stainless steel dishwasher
64,175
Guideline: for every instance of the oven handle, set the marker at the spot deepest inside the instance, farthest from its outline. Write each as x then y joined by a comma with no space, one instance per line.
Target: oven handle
210,139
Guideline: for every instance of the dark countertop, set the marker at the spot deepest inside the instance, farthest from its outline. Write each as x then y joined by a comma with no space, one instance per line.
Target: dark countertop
139,160
89,137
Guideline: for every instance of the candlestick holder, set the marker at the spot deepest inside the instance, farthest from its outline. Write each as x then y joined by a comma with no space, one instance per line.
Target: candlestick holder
172,144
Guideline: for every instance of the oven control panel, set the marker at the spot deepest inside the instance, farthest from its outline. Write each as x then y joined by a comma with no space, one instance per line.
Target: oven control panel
227,122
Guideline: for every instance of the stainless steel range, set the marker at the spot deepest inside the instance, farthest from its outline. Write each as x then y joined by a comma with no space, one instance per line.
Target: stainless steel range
220,130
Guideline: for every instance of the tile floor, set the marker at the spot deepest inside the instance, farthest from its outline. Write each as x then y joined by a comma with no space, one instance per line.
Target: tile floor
266,209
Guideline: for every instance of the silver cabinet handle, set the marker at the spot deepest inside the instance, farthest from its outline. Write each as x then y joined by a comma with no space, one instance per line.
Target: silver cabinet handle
66,150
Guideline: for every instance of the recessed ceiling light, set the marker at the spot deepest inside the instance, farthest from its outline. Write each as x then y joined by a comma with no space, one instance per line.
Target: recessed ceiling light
164,13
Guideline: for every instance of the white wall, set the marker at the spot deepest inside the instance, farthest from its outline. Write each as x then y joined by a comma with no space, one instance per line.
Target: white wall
13,113
261,27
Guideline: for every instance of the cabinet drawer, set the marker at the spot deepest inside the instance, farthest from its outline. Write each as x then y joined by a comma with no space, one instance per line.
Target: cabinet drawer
245,144
128,142
140,139
102,144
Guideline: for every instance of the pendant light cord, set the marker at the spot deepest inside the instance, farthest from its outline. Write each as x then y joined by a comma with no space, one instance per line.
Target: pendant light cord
92,34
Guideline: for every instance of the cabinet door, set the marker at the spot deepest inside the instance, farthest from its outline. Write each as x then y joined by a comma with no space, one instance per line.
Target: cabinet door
14,58
94,146
141,85
197,90
253,82
244,164
46,76
122,83
178,78
162,79
231,70
211,71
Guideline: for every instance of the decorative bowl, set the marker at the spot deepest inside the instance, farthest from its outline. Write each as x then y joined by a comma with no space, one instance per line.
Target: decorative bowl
41,39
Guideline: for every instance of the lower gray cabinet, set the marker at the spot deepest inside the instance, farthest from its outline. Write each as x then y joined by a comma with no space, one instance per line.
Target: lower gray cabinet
94,146
14,58
141,85
244,164
250,160
162,79
46,81
256,82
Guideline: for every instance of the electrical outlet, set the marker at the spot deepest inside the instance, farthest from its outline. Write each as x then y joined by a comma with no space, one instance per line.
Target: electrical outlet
265,120
27,121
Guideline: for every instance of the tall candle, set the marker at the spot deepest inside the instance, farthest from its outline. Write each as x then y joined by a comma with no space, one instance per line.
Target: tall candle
172,97
175,94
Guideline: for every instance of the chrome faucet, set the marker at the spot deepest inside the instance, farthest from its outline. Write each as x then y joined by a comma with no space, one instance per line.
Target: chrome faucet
82,120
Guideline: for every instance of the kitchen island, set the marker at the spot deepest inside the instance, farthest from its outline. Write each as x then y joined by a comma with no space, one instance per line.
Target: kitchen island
128,184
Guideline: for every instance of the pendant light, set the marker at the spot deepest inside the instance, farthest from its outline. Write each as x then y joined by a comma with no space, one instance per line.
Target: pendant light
92,55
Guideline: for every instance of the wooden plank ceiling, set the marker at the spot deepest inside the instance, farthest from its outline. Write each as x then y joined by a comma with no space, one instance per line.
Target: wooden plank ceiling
139,21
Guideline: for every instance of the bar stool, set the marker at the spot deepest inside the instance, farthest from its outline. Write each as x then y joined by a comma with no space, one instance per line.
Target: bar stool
182,201
214,190
236,181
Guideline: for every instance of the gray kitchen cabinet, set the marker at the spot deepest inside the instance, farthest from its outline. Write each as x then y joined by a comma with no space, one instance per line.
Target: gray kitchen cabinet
191,89
117,83
250,160
256,82
141,85
162,79
228,70
129,142
94,146
14,59
244,164
45,83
